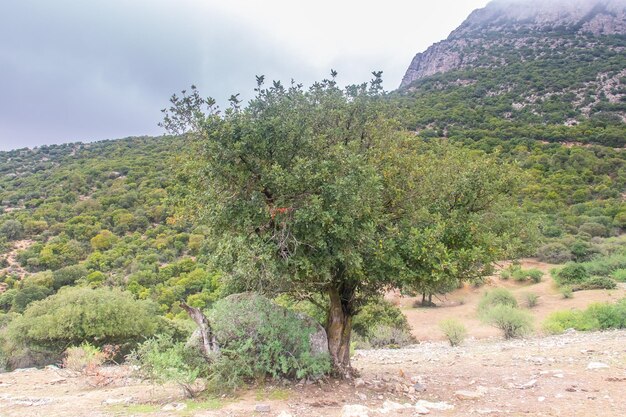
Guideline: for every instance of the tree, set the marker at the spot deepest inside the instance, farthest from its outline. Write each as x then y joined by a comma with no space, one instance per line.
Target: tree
12,230
306,191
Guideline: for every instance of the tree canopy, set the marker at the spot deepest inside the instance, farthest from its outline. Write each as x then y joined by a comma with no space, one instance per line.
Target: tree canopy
320,191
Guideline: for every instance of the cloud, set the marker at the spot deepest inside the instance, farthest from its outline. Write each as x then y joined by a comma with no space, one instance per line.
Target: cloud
90,70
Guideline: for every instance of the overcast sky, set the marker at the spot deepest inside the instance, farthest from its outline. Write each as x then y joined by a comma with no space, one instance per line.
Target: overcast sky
102,69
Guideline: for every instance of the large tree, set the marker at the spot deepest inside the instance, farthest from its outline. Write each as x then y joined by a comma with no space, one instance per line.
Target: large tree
318,191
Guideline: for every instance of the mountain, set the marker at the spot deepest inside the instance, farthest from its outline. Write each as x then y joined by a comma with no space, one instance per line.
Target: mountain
556,62
520,24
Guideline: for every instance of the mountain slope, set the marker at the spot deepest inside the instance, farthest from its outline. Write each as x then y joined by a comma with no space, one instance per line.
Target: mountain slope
559,62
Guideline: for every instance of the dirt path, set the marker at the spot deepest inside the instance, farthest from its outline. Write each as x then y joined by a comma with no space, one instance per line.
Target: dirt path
538,377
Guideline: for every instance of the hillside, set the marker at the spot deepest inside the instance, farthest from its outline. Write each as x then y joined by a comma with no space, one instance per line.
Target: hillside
552,71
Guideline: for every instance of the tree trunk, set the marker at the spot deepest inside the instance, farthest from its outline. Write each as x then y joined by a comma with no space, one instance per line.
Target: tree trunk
209,342
339,329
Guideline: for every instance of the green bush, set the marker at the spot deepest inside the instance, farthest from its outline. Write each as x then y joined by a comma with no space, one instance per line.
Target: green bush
496,297
532,299
454,331
259,338
75,315
596,283
554,253
512,321
380,314
163,360
599,316
567,292
619,275
384,336
608,316
571,274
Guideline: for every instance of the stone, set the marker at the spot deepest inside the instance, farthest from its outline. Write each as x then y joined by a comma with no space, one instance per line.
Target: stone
440,406
468,395
529,384
541,399
419,387
174,407
284,414
597,365
263,408
355,410
359,382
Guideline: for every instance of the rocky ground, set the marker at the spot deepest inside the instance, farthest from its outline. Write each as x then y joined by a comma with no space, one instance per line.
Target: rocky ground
576,374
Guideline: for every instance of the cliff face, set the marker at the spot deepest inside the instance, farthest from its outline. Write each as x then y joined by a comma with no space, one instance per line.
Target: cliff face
519,24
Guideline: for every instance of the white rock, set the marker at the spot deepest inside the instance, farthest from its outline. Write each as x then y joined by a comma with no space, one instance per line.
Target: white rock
468,395
529,384
390,406
541,399
284,414
597,365
355,410
174,407
442,406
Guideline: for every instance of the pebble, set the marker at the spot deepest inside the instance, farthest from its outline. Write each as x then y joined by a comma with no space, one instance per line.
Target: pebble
441,406
262,408
174,407
359,382
468,395
597,365
355,410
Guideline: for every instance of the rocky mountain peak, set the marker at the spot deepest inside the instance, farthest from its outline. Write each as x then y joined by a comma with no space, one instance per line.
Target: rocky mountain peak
518,20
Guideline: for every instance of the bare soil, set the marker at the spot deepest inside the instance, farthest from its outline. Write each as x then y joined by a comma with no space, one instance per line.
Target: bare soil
539,376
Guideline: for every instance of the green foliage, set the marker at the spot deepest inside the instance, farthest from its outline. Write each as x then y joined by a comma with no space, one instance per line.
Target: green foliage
77,315
454,331
599,316
567,292
379,312
619,275
258,338
554,253
571,274
386,336
512,321
532,299
12,230
163,360
495,297
521,275
83,357
596,283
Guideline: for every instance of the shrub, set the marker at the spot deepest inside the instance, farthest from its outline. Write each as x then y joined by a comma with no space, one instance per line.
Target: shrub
259,338
608,316
82,358
596,283
12,230
571,274
567,292
532,299
68,275
496,297
619,275
599,316
510,320
163,360
594,229
75,315
380,312
554,253
454,331
384,336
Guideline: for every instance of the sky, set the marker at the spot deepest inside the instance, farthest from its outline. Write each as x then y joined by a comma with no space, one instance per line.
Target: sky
76,70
